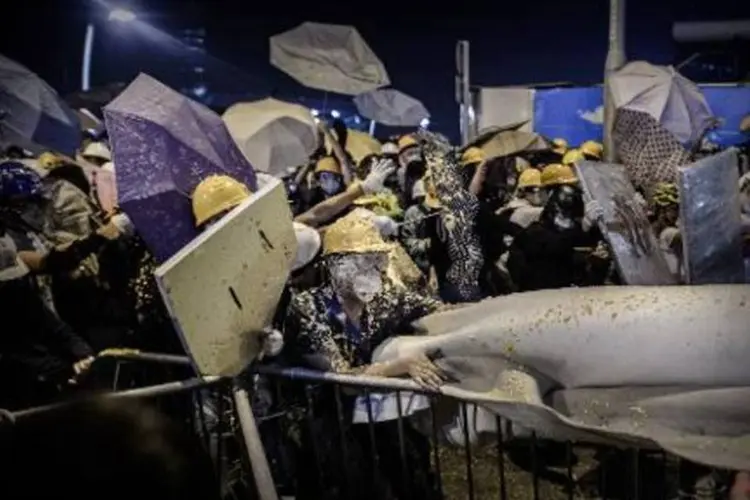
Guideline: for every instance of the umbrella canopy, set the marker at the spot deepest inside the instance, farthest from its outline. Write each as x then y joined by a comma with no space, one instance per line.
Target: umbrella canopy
661,92
358,144
391,107
164,144
490,132
273,135
32,115
328,57
511,142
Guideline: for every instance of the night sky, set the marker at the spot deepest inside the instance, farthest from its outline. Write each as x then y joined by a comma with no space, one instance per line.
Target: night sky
531,41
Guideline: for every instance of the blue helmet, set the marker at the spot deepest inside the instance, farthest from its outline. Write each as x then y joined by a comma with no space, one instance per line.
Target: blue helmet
18,182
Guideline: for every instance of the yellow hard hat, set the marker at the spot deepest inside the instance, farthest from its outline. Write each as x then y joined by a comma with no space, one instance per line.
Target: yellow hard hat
530,177
556,174
592,148
573,156
559,145
328,164
471,155
216,194
49,160
666,194
406,141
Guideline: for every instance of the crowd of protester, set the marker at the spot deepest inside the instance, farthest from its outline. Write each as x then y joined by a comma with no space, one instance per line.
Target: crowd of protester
418,228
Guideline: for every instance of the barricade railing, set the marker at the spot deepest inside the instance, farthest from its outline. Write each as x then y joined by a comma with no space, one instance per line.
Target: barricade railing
306,432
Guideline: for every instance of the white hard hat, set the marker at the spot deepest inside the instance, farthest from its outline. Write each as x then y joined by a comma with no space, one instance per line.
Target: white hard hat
308,245
98,150
418,191
389,148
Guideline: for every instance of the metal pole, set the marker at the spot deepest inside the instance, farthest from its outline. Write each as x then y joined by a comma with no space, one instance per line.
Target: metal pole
88,46
463,89
615,60
372,128
258,461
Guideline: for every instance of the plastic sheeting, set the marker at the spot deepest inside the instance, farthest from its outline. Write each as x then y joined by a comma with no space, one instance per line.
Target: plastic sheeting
328,57
634,366
710,220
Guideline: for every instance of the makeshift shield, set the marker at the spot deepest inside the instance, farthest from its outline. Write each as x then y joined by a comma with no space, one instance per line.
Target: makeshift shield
222,289
625,224
710,220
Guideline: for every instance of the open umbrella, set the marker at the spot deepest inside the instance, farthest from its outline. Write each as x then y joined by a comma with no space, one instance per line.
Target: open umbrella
358,144
391,107
328,57
32,115
510,142
163,145
661,92
273,135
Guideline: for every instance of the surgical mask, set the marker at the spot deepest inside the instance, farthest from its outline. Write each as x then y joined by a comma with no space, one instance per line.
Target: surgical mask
534,196
329,184
563,222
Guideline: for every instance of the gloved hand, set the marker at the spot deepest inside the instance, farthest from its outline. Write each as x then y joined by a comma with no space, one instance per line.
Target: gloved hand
386,225
592,213
373,183
272,341
123,223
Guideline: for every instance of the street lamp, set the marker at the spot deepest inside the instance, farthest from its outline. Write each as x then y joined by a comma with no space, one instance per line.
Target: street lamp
115,15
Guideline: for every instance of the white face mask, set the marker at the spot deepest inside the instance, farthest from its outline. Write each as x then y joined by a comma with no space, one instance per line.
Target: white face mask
366,287
329,186
563,222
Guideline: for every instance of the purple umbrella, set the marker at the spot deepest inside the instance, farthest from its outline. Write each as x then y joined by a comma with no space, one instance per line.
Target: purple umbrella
163,145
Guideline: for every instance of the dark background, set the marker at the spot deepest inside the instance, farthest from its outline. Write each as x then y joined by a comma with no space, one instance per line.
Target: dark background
531,41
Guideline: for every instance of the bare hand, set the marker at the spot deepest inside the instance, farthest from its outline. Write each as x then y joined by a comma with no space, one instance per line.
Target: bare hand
425,372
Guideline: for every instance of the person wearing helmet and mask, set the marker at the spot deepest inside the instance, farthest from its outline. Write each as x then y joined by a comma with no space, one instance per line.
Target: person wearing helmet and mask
544,254
337,326
412,167
329,179
665,202
419,232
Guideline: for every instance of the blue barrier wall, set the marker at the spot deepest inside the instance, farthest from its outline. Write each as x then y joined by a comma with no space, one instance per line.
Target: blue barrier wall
576,114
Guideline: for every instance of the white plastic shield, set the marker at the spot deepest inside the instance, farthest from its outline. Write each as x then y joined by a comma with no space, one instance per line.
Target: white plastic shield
625,224
222,289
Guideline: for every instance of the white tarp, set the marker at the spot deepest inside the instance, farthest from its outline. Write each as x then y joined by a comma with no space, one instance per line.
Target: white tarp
659,366
222,289
328,57
273,135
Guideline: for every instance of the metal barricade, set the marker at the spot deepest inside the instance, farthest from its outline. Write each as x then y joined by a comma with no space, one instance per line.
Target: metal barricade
306,446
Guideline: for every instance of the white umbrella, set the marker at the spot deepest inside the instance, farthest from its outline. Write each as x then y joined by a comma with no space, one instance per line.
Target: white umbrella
391,107
273,135
661,92
328,57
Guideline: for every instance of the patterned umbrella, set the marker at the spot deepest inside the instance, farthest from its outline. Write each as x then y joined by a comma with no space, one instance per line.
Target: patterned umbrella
32,115
164,144
675,102
328,57
391,107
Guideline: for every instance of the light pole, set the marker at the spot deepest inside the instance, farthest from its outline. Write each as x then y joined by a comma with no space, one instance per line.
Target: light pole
616,59
116,15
